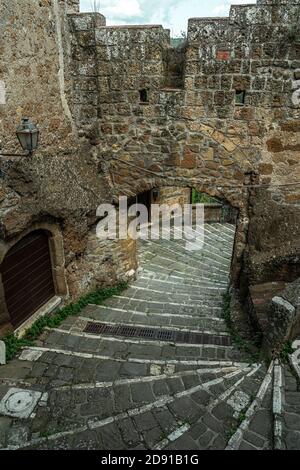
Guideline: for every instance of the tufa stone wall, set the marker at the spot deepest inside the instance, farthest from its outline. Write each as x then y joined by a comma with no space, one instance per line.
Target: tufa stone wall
61,185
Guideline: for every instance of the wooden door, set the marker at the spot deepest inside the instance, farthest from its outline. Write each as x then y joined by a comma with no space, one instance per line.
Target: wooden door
27,276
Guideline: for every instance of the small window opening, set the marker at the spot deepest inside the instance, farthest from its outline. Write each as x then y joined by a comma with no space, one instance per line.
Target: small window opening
144,98
240,96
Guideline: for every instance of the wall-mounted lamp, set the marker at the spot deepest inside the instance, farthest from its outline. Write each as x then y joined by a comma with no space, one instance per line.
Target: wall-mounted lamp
28,137
155,194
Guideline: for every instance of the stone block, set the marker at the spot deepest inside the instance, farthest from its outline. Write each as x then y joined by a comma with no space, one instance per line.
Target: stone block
281,319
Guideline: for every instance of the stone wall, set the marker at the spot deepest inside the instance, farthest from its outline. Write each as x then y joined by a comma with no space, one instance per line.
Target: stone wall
173,195
61,185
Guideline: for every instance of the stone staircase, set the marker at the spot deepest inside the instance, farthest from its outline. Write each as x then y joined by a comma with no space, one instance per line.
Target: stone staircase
130,391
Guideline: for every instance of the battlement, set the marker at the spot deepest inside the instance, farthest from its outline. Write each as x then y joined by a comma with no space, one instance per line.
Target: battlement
265,13
73,6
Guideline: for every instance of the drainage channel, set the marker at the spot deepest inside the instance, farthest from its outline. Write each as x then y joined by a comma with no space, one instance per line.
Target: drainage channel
157,334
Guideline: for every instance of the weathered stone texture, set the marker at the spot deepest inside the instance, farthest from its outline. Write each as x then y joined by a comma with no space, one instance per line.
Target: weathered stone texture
121,112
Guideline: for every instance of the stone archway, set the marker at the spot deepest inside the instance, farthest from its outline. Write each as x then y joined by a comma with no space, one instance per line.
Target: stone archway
56,252
237,200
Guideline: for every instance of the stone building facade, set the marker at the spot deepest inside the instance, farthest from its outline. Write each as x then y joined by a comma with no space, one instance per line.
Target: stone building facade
122,112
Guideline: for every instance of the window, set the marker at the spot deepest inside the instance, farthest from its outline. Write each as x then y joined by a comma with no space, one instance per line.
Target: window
240,97
144,98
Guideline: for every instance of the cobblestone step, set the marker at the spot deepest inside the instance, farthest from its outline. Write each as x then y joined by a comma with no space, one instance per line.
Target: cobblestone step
199,266
222,414
124,348
291,409
103,313
179,278
174,308
170,288
256,429
150,408
213,254
204,278
181,298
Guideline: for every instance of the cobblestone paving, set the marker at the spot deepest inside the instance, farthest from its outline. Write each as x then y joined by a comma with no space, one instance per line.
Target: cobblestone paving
101,392
291,409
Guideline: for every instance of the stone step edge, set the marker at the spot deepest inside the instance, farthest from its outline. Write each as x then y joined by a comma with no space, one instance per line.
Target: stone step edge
35,352
144,342
166,303
278,399
213,404
236,439
166,315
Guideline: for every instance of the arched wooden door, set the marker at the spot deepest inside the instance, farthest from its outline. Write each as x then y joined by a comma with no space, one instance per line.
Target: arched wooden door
27,276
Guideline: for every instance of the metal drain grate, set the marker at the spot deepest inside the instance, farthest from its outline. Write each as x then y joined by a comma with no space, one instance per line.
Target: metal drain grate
156,334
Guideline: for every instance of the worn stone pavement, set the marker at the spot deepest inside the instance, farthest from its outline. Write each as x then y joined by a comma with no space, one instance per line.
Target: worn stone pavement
113,393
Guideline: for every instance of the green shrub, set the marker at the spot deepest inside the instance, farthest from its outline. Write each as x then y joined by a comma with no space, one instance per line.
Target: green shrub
201,198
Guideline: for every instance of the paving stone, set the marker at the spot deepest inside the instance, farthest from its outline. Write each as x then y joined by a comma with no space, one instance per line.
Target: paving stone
153,437
76,362
160,388
51,371
145,421
87,440
185,442
72,408
62,360
17,435
223,412
38,369
292,421
122,398
197,430
16,369
107,371
253,439
100,404
175,385
65,374
206,438
191,381
202,397
5,424
293,441
84,374
292,398
130,369
110,437
165,419
142,393
186,410
217,389
212,423
261,423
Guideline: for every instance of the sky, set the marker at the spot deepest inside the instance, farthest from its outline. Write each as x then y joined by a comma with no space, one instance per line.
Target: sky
172,14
